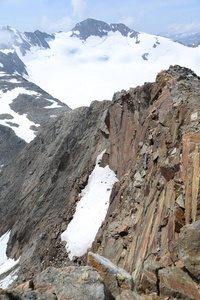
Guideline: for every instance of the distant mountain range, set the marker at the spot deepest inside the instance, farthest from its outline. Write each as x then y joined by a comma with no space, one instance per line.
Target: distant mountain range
93,60
187,39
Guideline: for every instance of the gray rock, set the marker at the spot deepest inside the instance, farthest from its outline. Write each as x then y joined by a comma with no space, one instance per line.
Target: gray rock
77,283
27,295
37,108
115,278
90,27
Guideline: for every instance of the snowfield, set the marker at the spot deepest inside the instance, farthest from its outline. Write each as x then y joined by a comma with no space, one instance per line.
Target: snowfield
78,72
90,211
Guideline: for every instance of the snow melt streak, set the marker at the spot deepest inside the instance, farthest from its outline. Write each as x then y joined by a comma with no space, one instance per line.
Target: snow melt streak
90,211
6,263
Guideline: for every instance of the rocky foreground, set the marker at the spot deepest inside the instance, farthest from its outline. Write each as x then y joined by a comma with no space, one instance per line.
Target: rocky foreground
148,247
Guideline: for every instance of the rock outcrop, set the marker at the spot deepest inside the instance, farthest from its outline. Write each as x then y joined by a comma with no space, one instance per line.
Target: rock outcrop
153,148
151,136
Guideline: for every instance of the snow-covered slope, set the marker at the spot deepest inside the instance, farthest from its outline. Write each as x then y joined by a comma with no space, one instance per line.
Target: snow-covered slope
95,59
78,68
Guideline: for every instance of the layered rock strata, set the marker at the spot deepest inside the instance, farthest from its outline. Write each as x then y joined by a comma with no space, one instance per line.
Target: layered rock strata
154,149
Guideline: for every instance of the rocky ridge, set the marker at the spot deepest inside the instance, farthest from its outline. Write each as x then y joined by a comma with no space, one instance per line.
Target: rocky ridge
13,39
92,27
151,231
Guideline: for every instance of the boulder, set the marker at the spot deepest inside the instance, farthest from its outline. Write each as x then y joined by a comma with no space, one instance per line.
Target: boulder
187,248
77,283
115,279
175,283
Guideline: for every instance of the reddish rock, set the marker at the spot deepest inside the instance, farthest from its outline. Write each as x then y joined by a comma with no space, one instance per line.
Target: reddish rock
190,174
167,173
175,283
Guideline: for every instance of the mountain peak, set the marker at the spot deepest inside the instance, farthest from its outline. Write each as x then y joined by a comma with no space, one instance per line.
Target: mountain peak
90,27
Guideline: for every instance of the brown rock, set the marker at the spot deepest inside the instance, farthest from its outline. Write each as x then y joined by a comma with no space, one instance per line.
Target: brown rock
190,175
130,295
123,231
187,248
179,218
173,282
149,279
25,286
115,279
167,173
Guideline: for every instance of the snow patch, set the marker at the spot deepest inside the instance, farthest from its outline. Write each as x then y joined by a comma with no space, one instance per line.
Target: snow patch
13,80
6,263
23,131
53,105
90,211
6,51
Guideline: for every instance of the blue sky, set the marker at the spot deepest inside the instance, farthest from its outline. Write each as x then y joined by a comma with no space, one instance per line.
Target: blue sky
153,16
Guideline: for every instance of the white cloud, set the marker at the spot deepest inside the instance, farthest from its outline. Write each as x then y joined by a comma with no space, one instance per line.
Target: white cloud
131,21
127,20
63,24
79,9
184,28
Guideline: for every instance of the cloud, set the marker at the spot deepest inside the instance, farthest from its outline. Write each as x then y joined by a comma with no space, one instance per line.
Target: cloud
132,20
63,24
79,9
66,23
184,28
127,20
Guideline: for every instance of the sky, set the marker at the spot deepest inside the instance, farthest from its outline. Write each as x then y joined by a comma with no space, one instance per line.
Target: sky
51,16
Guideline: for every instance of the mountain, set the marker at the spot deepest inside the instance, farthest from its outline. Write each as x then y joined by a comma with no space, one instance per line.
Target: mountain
95,59
113,55
148,137
24,107
11,38
91,27
187,39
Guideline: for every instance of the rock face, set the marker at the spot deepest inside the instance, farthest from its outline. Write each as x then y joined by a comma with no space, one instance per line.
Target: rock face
153,148
45,182
91,27
10,144
151,136
21,102
12,38
11,63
